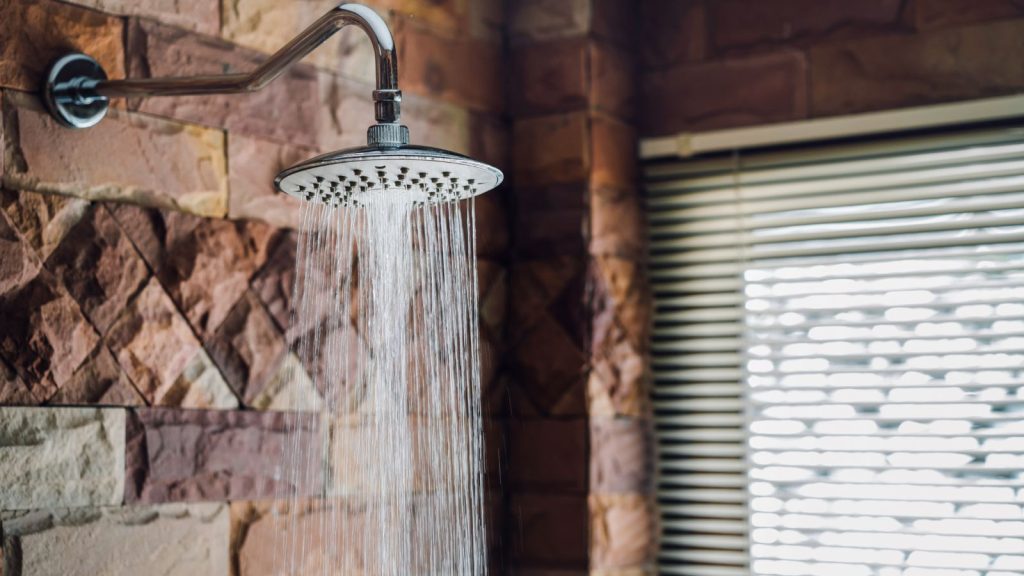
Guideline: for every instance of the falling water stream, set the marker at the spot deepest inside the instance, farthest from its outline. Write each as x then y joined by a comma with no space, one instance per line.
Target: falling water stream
385,318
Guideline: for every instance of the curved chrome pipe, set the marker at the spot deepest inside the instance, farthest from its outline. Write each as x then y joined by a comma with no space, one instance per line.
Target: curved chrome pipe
65,90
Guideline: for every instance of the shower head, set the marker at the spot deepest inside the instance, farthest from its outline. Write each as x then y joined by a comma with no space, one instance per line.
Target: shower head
359,176
77,92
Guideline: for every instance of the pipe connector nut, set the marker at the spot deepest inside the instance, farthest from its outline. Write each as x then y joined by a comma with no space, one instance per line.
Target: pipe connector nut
387,135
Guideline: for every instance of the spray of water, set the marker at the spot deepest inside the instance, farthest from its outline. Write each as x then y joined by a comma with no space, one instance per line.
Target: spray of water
386,322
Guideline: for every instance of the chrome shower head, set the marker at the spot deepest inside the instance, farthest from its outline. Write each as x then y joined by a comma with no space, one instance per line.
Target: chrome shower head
358,176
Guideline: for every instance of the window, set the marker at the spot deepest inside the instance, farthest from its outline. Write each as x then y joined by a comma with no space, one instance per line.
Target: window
839,358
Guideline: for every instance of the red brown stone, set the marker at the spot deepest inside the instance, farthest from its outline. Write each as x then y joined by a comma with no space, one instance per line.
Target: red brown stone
252,166
275,281
617,224
45,337
936,66
941,13
549,77
204,264
551,149
462,70
621,455
194,455
99,266
156,50
37,32
614,163
549,364
537,20
548,455
100,380
198,15
152,342
613,81
673,32
615,21
742,91
549,220
159,163
739,23
247,347
548,530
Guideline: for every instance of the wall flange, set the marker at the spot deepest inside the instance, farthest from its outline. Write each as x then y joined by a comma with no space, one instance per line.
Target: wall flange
69,93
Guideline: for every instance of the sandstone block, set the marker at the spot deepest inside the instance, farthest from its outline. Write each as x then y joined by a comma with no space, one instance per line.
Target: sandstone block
549,220
248,347
551,149
621,455
46,338
61,457
613,81
623,531
935,66
549,77
192,455
198,15
159,163
548,455
252,166
100,380
267,25
549,365
548,529
289,389
43,220
37,32
613,145
743,91
617,224
462,70
156,50
742,24
673,31
941,13
534,20
275,281
205,264
172,540
98,264
164,359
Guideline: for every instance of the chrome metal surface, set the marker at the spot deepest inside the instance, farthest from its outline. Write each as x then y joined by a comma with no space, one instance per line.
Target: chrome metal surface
68,91
358,176
85,90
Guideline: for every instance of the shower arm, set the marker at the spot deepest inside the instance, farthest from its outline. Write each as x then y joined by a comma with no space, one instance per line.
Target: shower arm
77,93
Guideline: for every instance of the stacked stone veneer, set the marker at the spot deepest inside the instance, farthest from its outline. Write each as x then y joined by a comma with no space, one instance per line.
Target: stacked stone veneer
146,269
580,460
712,64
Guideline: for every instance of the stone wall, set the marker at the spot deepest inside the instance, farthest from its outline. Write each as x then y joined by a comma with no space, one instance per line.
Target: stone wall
579,420
146,268
710,64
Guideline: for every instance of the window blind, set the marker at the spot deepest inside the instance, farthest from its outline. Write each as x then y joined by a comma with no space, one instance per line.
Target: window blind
838,358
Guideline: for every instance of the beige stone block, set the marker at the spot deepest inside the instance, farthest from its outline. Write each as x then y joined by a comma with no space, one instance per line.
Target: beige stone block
61,457
170,540
127,157
290,389
623,531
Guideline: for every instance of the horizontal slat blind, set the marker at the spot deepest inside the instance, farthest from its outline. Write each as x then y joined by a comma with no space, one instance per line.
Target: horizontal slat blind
839,359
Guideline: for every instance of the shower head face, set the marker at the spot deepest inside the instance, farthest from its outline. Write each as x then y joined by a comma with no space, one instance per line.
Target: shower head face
360,176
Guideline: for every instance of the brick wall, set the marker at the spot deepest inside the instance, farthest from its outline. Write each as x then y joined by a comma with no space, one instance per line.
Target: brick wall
710,64
146,268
